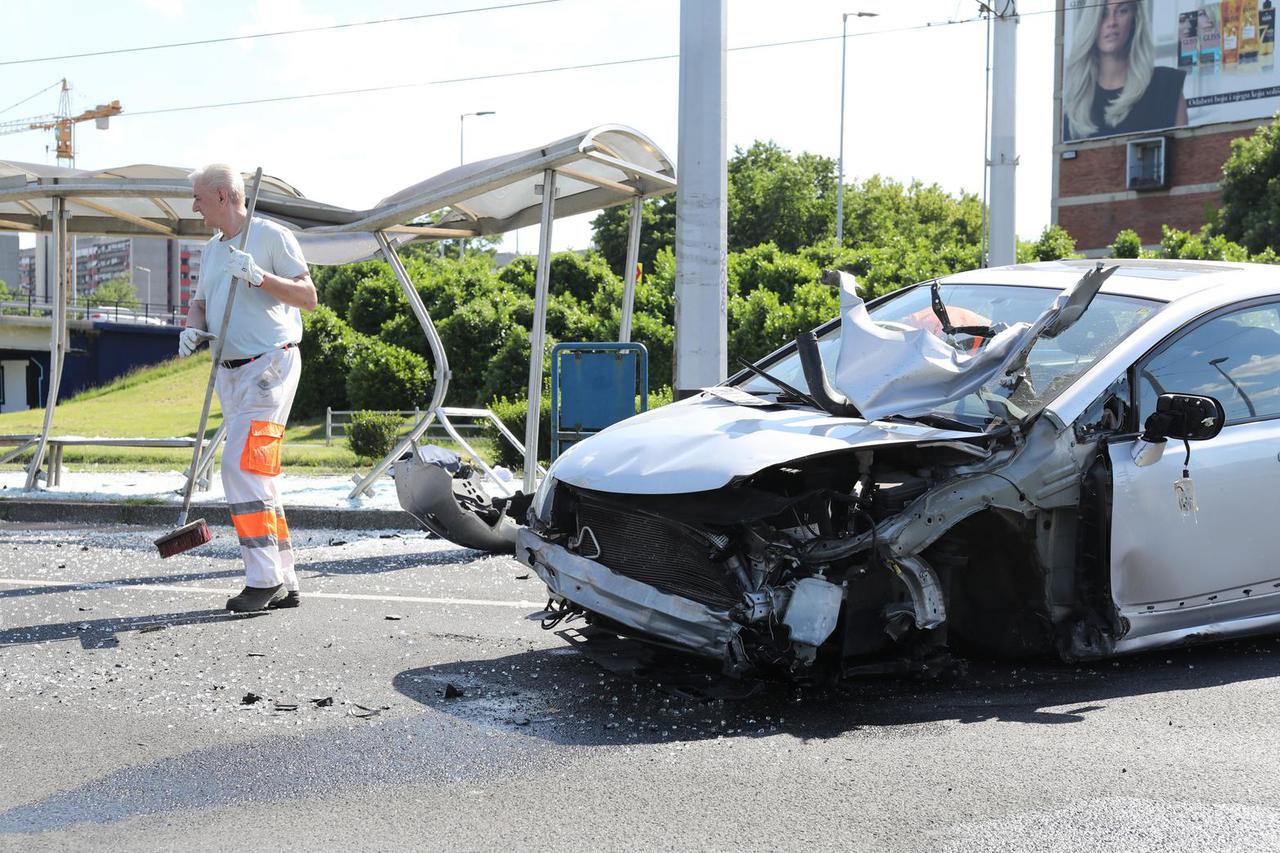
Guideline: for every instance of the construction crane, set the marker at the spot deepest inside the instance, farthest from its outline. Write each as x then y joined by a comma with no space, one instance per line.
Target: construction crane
63,124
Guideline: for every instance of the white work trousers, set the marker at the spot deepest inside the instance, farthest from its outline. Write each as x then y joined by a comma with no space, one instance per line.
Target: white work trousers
255,399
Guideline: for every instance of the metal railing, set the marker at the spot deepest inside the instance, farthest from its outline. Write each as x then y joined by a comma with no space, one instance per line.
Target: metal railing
141,313
340,422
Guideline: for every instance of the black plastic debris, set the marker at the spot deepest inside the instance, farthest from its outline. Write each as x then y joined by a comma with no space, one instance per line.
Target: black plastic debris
453,692
365,713
522,577
250,699
286,706
326,702
84,609
337,542
257,654
393,617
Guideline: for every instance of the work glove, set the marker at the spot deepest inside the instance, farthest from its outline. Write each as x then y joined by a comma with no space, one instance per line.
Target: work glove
188,341
242,265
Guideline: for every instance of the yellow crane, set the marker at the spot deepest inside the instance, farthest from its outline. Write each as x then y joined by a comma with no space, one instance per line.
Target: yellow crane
63,123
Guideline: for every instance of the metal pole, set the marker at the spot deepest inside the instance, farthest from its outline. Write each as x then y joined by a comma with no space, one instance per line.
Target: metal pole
56,335
537,335
844,50
702,214
442,373
1004,158
462,159
633,258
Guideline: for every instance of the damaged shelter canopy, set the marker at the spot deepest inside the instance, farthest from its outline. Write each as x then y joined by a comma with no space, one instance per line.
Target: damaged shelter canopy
604,166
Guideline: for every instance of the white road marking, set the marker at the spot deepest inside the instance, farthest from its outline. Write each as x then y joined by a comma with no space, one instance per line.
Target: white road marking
345,596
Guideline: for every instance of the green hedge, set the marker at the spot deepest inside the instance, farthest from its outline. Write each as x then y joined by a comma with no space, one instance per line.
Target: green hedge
327,347
371,435
387,377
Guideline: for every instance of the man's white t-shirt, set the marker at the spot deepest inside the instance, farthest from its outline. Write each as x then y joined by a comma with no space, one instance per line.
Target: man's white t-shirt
259,321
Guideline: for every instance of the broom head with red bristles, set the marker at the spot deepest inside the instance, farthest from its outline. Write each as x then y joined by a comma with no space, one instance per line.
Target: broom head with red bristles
185,538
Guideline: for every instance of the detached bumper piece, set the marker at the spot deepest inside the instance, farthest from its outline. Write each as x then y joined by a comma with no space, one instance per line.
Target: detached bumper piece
639,606
453,505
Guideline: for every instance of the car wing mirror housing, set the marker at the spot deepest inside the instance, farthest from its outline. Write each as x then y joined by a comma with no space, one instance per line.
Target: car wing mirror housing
1185,417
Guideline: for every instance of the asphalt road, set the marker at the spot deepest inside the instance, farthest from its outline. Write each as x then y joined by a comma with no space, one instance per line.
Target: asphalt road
123,725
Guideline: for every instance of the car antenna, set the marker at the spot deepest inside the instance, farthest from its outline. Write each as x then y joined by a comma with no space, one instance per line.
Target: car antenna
794,392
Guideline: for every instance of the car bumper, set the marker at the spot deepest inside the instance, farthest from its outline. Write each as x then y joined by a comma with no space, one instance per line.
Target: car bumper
592,586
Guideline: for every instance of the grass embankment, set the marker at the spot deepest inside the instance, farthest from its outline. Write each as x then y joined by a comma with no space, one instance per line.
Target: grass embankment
163,401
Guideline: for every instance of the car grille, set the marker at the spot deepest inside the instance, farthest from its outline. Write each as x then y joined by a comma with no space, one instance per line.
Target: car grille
656,552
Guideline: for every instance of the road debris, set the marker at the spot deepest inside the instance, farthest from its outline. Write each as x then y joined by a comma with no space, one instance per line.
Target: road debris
250,699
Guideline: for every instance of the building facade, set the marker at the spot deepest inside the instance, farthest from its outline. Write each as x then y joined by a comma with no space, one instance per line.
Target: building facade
1146,156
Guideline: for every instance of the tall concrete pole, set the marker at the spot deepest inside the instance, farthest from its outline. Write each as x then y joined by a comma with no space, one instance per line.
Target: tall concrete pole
702,199
1003,158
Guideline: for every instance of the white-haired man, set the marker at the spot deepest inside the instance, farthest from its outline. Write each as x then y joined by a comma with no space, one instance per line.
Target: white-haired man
258,373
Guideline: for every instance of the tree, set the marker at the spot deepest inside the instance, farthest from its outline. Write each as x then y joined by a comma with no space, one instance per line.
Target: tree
116,293
1250,213
612,225
780,198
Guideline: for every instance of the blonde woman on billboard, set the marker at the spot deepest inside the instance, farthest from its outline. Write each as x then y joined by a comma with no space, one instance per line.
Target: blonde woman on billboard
1111,84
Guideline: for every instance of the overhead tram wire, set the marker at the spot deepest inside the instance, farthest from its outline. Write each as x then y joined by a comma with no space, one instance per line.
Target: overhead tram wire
223,39
533,71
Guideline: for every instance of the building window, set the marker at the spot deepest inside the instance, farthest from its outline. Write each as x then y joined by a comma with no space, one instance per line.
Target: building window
1145,164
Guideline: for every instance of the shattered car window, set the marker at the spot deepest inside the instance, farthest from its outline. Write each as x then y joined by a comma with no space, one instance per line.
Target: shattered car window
1053,364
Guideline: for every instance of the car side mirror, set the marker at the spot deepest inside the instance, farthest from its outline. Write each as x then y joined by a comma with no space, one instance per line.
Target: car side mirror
1186,417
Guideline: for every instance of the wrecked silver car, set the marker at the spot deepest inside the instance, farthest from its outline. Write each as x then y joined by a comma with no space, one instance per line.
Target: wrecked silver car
998,462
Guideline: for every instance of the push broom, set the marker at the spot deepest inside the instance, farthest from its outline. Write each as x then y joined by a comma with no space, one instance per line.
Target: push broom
196,533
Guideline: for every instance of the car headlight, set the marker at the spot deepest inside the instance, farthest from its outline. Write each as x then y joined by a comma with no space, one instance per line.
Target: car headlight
541,505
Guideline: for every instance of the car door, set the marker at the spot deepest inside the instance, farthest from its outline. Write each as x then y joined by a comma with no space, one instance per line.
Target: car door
1218,562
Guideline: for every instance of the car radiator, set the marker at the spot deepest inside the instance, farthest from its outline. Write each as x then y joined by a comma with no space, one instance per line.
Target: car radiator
659,553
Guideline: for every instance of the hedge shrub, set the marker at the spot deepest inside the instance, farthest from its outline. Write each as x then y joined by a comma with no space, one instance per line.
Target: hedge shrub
327,348
371,435
387,377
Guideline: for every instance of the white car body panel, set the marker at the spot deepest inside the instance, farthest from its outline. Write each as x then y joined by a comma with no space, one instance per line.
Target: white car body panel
704,443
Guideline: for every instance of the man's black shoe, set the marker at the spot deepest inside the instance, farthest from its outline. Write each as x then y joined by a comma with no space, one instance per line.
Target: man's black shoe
291,599
254,598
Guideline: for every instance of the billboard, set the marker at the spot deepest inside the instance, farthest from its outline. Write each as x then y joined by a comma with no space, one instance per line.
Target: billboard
1136,66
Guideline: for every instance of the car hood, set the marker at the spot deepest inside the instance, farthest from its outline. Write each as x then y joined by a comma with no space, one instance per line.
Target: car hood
705,443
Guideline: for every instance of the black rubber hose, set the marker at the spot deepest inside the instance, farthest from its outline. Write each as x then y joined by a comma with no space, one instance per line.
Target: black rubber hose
815,376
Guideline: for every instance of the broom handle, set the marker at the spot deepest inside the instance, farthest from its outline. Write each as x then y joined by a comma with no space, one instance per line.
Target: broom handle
217,355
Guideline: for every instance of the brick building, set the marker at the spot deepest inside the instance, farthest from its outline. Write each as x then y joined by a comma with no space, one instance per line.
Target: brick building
1143,178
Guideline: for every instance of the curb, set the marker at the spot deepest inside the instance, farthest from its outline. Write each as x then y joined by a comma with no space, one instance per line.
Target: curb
165,515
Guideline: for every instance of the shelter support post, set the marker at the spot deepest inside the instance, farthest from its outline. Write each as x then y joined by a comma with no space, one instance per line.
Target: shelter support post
538,334
57,334
633,258
440,367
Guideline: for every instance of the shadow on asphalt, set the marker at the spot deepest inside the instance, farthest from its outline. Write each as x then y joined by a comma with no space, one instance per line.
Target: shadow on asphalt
391,563
104,633
120,583
565,697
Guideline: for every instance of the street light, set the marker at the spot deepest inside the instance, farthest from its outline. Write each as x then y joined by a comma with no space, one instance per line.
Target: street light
844,50
146,302
462,124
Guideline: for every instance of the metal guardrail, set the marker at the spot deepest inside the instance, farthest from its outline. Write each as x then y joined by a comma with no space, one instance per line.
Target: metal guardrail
330,422
141,313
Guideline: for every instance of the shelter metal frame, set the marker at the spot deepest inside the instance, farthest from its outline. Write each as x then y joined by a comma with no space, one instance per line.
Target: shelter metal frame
601,167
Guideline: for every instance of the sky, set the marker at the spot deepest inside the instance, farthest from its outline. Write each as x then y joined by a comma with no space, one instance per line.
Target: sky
914,110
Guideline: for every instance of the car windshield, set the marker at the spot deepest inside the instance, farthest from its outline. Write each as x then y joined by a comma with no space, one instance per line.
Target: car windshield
1053,364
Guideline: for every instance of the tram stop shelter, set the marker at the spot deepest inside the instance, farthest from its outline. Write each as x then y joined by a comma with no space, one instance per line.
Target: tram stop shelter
601,167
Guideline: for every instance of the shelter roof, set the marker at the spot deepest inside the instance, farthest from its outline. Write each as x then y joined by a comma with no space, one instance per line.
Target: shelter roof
598,168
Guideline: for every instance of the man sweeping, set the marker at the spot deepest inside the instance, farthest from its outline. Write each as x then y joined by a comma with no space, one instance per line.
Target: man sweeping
258,373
